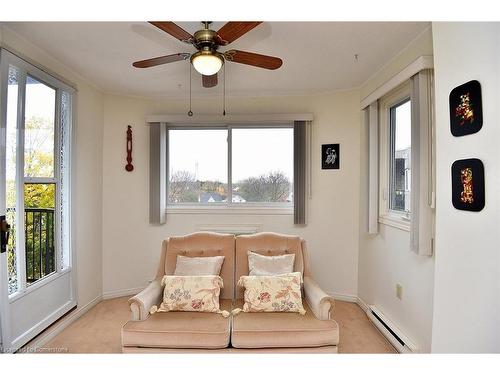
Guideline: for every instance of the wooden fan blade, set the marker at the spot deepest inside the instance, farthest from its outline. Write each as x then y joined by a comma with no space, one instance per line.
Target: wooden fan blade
174,30
254,59
161,60
209,81
233,30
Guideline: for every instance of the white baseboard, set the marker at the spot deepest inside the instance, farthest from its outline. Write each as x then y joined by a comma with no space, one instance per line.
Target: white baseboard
343,297
58,327
38,328
121,293
362,304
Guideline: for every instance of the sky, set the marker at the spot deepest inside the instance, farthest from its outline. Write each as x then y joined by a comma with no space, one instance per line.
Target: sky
403,128
255,152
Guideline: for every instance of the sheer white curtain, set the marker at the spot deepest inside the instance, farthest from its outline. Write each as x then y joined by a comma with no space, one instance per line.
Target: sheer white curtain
422,164
371,119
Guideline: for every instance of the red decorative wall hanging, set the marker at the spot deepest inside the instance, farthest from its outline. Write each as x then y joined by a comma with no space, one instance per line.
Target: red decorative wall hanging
129,167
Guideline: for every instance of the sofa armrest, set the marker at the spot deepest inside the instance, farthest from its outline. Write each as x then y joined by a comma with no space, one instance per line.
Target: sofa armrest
142,302
320,303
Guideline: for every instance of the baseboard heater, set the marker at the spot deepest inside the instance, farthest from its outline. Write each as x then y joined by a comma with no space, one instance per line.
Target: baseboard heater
397,338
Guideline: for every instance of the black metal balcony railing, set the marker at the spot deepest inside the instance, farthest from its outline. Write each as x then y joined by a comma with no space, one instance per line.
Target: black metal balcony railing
39,242
39,229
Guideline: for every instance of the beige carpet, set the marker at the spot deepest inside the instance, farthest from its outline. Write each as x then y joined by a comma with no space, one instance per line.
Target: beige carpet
98,331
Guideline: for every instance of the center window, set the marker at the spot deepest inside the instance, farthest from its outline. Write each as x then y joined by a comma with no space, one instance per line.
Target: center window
230,165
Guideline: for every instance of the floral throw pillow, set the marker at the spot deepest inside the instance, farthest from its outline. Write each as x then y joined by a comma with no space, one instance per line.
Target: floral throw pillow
191,293
279,293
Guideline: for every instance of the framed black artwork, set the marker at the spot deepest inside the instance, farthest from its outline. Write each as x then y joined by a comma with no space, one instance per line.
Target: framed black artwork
330,156
467,181
466,112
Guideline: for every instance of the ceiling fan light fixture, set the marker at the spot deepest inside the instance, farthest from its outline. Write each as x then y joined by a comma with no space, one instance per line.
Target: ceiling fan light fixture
207,62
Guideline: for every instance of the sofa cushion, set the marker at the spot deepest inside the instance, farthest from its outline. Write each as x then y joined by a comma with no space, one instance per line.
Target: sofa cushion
179,330
282,330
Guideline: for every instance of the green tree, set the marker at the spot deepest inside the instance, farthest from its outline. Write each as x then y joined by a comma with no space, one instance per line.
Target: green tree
38,162
253,189
39,147
271,187
182,187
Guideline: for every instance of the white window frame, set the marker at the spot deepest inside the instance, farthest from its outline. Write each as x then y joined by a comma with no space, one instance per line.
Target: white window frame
229,207
28,69
387,216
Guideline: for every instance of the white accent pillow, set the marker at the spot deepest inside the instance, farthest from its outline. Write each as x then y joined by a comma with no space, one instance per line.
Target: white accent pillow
262,265
198,266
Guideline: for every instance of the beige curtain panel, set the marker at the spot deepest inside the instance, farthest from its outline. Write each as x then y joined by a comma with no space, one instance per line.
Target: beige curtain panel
422,165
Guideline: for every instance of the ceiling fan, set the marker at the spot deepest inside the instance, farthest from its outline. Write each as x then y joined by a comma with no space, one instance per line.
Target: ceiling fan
207,60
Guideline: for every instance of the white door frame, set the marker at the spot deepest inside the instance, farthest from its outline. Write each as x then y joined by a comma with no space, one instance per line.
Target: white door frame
61,276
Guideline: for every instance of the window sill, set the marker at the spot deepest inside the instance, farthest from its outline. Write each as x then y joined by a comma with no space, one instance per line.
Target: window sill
229,210
395,221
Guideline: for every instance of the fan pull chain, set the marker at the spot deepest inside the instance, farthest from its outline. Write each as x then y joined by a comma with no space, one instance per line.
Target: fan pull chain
224,92
190,113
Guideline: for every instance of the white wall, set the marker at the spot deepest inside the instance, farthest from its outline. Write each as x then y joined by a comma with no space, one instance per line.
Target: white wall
89,114
131,246
385,259
421,45
467,280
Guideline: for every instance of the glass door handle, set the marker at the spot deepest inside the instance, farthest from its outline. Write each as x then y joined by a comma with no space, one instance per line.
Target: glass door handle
4,233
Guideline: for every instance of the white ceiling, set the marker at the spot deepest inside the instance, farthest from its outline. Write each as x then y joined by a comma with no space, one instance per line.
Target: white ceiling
318,56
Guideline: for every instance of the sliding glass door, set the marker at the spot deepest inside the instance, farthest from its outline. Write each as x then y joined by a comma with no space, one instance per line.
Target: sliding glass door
36,275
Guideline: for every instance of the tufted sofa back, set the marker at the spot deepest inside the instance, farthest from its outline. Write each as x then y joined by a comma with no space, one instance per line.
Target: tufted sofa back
201,244
207,244
270,244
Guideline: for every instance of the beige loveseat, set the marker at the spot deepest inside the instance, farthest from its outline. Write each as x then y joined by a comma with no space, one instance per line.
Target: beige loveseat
259,332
